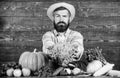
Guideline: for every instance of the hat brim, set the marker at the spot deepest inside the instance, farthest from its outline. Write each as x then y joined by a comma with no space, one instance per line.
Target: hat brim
63,4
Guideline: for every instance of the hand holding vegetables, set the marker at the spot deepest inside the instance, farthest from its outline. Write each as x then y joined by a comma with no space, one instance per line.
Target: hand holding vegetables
65,52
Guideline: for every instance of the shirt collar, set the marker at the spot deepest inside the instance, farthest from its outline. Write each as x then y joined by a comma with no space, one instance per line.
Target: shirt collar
65,33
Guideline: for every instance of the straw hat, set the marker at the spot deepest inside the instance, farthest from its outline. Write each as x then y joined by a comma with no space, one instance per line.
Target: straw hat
61,4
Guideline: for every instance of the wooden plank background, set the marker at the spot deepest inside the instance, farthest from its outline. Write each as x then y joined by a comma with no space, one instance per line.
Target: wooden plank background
23,22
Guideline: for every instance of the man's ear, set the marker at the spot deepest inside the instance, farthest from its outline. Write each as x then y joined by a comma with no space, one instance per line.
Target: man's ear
69,20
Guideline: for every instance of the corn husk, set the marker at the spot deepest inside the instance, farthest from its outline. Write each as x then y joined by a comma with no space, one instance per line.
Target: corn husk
104,69
114,73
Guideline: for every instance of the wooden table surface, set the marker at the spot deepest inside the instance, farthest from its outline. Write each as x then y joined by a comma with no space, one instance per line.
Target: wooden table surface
79,76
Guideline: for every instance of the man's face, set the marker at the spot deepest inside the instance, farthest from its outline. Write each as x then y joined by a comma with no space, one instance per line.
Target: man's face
61,20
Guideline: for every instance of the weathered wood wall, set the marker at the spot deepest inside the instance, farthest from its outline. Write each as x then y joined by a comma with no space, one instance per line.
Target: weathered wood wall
23,22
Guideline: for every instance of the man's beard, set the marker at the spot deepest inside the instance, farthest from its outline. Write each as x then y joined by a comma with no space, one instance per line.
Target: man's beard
61,26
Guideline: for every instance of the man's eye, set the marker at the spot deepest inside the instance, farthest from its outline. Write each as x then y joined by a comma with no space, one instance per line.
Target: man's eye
57,16
64,16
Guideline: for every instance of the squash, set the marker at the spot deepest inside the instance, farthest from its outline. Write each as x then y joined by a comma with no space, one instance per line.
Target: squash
76,71
9,72
93,66
17,72
32,60
26,72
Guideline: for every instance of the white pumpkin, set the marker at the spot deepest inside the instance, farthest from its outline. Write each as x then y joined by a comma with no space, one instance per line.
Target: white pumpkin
93,66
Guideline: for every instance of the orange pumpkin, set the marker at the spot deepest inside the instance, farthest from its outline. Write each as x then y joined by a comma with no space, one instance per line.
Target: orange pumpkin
32,60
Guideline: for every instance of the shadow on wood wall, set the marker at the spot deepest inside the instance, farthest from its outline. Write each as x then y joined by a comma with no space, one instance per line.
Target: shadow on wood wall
2,23
23,22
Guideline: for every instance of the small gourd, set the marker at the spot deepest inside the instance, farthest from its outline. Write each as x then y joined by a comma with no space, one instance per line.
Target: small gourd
9,72
17,72
26,72
76,71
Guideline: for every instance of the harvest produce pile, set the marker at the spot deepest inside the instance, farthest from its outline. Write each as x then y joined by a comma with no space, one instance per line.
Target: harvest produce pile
64,53
57,62
14,69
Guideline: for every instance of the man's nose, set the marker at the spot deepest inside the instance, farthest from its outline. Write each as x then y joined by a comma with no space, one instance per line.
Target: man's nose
61,18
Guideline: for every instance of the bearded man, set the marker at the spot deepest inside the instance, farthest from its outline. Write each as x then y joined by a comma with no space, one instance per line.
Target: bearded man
62,15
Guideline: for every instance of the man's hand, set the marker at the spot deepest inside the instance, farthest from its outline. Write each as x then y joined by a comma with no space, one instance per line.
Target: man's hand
50,50
76,53
50,47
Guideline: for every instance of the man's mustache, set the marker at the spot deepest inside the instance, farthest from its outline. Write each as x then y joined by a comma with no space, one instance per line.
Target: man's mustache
61,22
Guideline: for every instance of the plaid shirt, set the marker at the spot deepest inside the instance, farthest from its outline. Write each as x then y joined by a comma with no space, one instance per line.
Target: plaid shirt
51,38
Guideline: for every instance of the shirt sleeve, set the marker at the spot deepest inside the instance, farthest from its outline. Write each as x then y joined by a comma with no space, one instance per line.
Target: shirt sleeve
47,41
77,42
